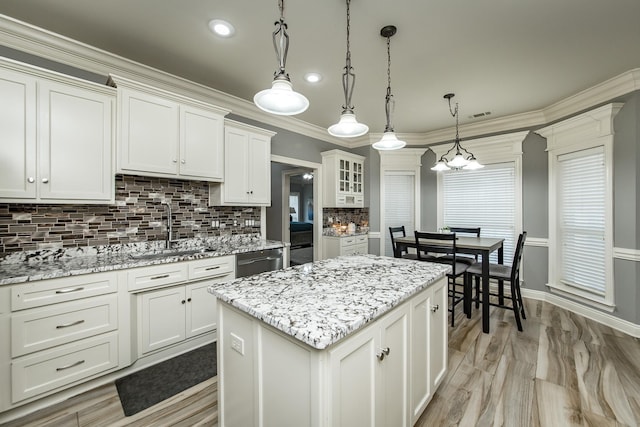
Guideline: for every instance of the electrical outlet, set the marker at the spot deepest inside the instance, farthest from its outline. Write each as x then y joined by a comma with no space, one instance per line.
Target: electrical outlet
235,222
237,344
330,219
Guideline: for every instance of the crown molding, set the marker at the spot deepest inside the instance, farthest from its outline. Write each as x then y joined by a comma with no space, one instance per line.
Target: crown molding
33,40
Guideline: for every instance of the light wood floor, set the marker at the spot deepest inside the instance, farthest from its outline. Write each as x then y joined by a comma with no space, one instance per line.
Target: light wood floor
563,370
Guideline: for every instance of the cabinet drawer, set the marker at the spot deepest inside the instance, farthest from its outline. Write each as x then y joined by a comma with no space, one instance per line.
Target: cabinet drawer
347,241
157,275
39,329
39,293
211,267
47,370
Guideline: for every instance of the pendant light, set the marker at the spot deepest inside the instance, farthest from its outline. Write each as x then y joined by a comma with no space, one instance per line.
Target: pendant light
348,126
459,160
389,140
281,99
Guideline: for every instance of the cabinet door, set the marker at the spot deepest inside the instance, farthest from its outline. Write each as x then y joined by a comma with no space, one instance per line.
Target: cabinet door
75,143
201,309
18,135
148,133
344,176
201,144
354,367
259,169
420,353
438,334
357,186
162,318
236,177
393,389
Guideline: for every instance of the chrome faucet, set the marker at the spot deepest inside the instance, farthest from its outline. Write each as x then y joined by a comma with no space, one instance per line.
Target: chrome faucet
169,238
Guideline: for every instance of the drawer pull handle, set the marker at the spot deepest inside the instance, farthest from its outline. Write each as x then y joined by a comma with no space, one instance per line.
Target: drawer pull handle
66,325
79,362
162,276
212,268
66,291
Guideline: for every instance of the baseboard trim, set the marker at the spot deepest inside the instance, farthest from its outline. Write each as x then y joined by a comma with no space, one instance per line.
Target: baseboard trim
588,312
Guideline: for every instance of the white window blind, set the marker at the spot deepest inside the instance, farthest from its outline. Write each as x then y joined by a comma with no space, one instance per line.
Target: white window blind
581,219
399,204
483,198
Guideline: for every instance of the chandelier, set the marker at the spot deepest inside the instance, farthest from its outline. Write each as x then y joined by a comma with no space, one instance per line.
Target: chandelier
389,140
459,161
281,99
348,126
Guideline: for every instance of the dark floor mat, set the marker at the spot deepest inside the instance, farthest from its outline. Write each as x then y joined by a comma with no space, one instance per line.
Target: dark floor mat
156,383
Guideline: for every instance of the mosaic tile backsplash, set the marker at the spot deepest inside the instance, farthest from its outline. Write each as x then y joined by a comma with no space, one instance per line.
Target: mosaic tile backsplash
359,216
138,215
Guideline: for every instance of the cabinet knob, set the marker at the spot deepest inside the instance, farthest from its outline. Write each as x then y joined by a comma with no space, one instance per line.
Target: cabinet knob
383,353
188,299
175,161
251,192
435,308
182,161
45,180
31,180
183,302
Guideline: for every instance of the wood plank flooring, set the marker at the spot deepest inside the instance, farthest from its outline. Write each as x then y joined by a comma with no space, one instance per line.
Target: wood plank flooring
563,370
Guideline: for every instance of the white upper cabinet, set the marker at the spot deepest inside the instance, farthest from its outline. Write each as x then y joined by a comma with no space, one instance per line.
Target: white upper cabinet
57,137
247,164
167,135
343,179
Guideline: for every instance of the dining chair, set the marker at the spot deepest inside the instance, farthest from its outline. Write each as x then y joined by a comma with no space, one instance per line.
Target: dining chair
466,231
503,273
444,244
400,232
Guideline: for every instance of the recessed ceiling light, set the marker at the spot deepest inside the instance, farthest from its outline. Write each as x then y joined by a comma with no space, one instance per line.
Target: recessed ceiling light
312,77
221,28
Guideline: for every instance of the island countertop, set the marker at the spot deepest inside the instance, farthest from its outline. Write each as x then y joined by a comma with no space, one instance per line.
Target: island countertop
322,302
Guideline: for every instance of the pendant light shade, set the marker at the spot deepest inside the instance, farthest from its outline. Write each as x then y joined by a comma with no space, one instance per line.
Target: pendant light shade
459,161
348,126
281,99
389,139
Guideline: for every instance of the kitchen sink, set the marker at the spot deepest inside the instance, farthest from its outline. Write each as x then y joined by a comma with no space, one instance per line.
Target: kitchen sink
164,253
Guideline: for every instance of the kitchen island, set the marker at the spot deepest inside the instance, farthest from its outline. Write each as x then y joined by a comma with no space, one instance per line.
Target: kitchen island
356,340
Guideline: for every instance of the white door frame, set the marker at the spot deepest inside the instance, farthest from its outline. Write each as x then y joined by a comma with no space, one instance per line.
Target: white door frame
317,199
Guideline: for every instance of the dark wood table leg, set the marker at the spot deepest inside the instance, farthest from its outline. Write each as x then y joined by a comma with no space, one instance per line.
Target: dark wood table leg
501,282
485,291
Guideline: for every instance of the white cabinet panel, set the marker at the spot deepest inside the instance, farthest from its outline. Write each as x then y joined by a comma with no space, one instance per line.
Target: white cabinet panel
343,185
18,135
200,314
57,138
162,318
334,246
247,166
201,143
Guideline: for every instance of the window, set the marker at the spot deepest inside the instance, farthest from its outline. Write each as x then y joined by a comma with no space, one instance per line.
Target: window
581,206
581,201
489,198
484,198
399,204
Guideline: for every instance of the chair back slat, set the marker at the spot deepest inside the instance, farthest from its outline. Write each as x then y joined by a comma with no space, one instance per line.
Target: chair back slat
466,230
439,243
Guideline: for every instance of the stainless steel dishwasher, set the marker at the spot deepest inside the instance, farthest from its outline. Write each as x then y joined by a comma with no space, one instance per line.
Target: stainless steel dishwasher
250,263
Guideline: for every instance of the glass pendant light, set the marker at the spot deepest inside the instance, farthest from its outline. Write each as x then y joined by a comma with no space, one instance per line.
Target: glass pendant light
459,160
348,126
389,140
281,99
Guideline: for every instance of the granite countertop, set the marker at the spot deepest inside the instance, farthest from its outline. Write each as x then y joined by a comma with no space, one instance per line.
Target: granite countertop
52,263
322,302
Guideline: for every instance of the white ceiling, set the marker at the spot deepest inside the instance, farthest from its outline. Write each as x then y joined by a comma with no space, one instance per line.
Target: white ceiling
502,56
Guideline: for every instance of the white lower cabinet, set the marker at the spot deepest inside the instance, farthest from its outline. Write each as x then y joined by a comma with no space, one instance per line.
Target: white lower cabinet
369,380
334,246
175,305
58,333
383,375
169,316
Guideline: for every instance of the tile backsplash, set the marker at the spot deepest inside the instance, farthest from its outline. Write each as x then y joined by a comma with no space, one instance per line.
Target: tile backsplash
138,215
359,216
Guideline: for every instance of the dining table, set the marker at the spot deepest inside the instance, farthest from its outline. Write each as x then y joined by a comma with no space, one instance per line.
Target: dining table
482,246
